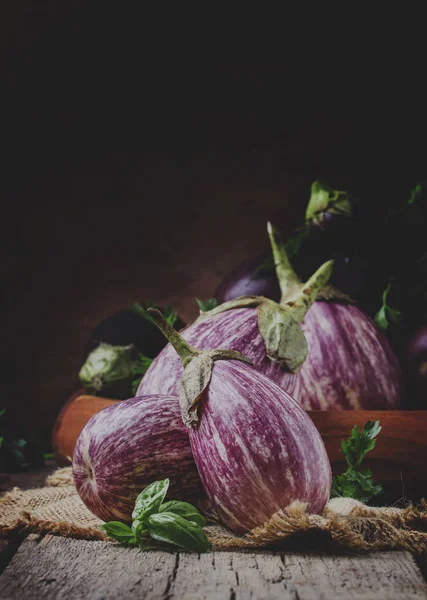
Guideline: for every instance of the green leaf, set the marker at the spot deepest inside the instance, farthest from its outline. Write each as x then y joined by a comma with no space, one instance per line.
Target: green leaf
206,305
353,483
170,315
150,499
173,529
120,532
360,442
2,411
1,441
138,528
168,312
49,455
295,243
185,510
415,194
386,314
139,369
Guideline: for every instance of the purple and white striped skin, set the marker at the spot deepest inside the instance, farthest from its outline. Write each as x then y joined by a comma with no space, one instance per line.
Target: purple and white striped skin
256,449
127,446
350,364
235,329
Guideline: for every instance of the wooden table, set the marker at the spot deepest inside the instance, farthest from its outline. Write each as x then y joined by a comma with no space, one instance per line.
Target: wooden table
52,567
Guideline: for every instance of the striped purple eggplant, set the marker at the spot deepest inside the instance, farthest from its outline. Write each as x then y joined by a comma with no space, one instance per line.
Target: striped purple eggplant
235,330
125,447
255,448
345,361
269,335
350,363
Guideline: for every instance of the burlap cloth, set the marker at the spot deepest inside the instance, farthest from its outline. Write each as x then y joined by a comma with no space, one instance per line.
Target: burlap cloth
346,524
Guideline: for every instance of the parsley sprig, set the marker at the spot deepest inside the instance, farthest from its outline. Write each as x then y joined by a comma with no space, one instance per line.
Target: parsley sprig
156,523
355,483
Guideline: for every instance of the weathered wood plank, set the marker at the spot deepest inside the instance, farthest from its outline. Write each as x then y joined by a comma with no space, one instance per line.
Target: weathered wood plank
70,569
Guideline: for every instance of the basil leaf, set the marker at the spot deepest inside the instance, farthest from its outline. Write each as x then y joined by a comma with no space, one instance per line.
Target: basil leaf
185,510
174,529
138,528
120,532
150,499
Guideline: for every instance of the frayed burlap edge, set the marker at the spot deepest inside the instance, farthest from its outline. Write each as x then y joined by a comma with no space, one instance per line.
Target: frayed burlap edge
362,530
347,524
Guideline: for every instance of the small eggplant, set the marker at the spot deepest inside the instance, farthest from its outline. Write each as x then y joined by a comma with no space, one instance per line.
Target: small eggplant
127,446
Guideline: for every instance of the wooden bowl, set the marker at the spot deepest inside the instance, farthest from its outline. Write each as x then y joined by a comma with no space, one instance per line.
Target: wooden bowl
399,459
71,420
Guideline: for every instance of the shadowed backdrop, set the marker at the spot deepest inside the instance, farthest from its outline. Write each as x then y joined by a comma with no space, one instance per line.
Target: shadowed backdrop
134,174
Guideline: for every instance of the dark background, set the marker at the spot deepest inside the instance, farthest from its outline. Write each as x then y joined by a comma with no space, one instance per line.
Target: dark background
142,164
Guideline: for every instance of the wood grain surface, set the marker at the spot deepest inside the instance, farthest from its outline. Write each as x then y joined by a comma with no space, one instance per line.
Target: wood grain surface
53,567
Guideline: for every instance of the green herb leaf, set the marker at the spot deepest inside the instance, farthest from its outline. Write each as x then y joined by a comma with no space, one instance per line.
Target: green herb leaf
353,483
139,370
168,312
120,532
173,529
170,315
415,194
295,243
49,455
206,305
2,411
386,314
185,510
150,499
1,441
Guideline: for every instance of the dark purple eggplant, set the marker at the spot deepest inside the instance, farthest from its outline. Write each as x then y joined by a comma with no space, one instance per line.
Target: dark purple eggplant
120,350
415,367
131,326
331,232
255,276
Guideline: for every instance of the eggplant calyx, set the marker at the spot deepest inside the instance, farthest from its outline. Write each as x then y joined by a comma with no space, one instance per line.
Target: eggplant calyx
296,296
240,302
106,366
185,352
284,339
198,366
325,199
195,380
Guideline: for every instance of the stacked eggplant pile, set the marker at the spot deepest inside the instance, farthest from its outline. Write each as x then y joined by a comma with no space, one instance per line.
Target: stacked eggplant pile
220,406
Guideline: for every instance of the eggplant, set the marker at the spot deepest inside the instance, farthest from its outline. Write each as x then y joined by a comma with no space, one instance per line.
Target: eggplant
119,351
127,446
255,449
255,276
131,326
344,361
414,358
331,231
244,325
